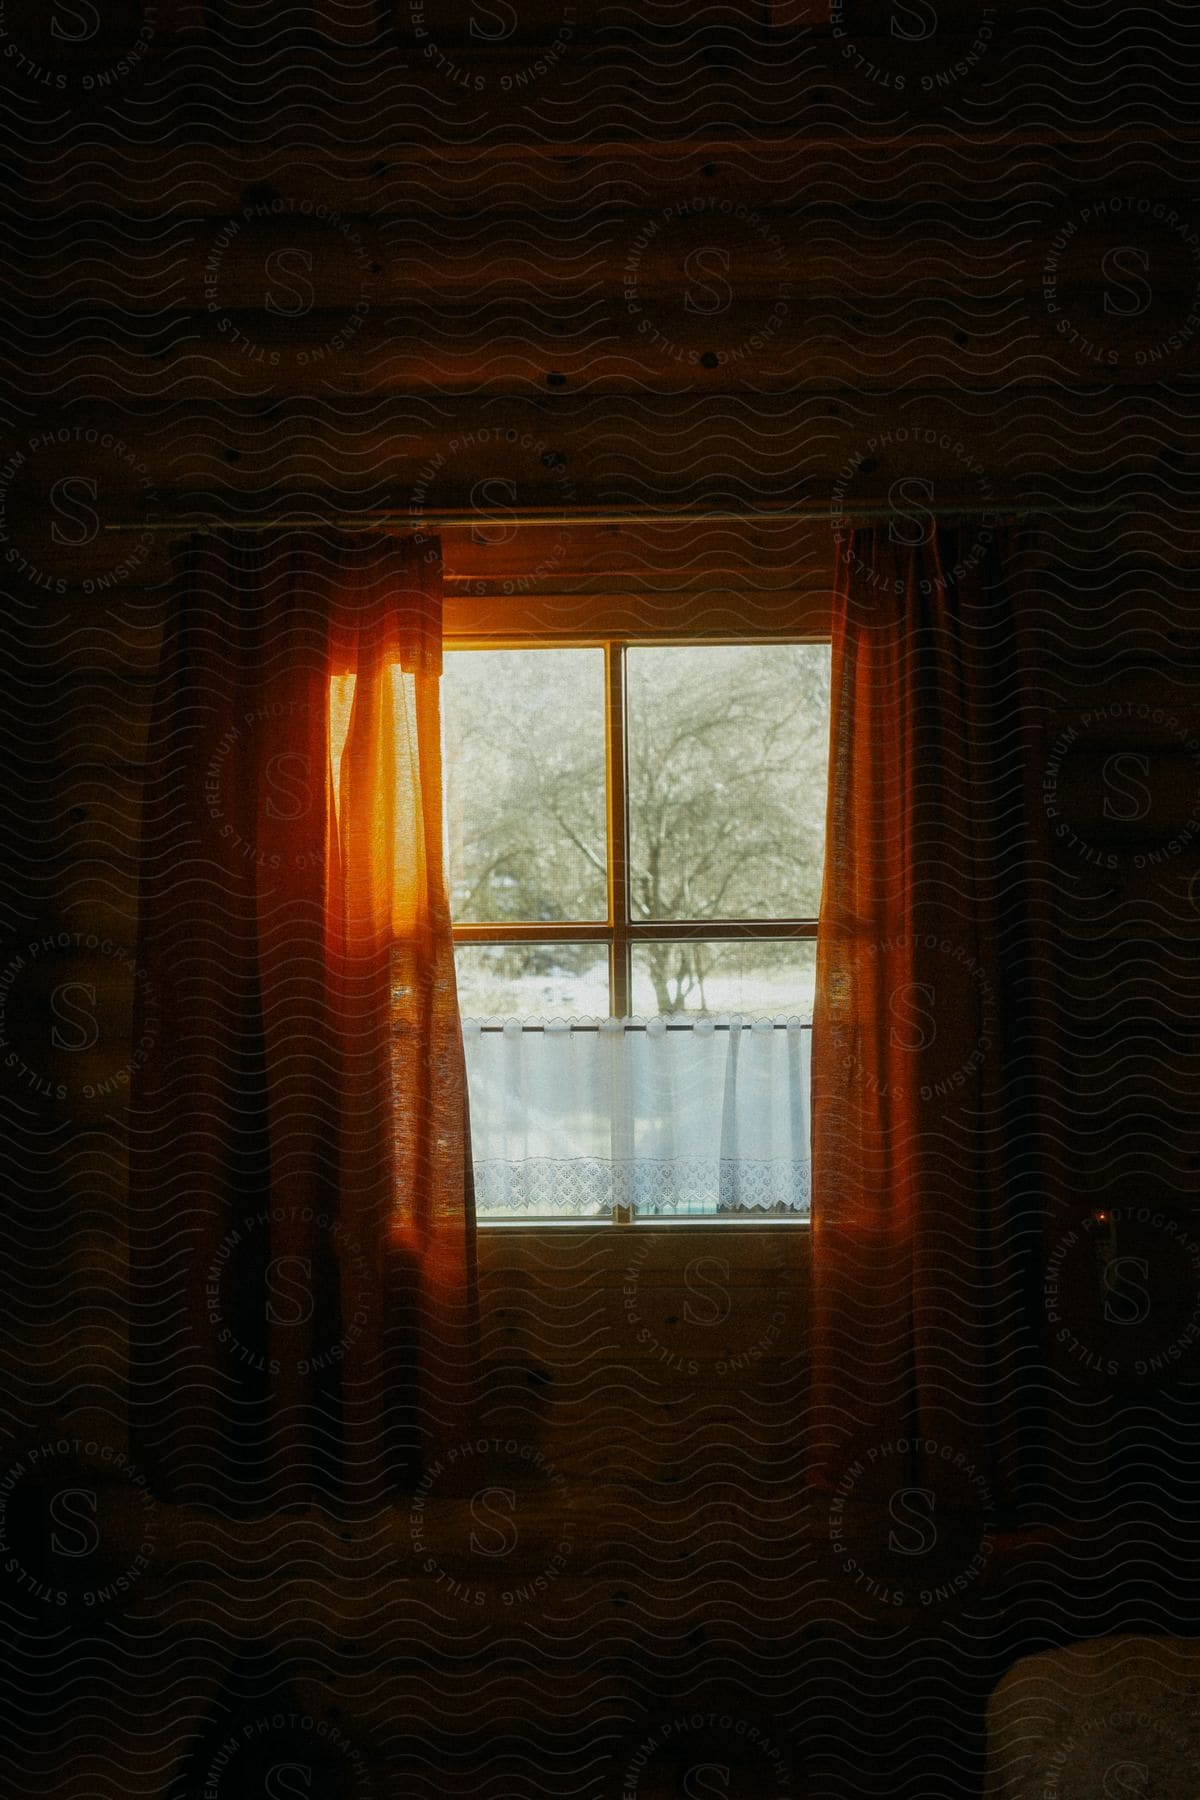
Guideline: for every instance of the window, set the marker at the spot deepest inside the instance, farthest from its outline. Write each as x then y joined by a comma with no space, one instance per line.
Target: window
635,834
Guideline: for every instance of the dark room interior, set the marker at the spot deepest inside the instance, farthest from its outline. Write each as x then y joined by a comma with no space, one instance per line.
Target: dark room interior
602,793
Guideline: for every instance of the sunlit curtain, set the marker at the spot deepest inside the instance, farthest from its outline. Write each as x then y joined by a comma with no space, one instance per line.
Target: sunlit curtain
304,1307
673,1119
929,1201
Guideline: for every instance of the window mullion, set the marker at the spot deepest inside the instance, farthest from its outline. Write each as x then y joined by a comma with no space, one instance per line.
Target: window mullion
618,849
620,1147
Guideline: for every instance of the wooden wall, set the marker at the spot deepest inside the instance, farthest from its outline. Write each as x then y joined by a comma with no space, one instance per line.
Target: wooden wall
374,254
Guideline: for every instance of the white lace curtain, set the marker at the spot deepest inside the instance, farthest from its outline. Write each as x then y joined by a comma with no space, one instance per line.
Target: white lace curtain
678,1119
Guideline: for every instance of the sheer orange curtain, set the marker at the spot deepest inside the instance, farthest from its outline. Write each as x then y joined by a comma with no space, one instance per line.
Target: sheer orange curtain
930,1198
302,1223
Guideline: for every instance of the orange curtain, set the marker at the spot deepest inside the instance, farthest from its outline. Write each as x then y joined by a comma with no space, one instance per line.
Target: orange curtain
302,1231
930,1204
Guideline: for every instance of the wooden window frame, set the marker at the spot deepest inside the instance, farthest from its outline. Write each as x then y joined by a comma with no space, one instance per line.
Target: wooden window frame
619,931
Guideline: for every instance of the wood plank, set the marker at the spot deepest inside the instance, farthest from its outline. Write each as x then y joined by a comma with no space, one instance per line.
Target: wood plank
767,341
563,450
595,88
597,236
367,175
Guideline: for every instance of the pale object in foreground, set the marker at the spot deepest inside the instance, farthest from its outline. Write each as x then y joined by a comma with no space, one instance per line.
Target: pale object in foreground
1113,1716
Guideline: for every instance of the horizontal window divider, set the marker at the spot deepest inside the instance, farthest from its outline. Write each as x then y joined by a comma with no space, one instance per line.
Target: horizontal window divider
652,930
660,930
557,932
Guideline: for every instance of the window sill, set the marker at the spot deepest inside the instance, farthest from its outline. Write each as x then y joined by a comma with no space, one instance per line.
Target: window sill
709,1223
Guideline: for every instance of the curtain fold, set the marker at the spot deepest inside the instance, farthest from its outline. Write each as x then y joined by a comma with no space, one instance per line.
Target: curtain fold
302,1261
930,1206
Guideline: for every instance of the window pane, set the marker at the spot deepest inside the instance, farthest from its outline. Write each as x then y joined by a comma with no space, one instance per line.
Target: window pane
727,756
757,980
532,981
525,784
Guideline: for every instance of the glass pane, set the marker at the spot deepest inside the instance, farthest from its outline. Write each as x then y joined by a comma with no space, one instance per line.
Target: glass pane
532,981
525,784
727,753
758,980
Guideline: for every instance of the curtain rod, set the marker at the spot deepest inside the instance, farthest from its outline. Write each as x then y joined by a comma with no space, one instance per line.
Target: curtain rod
687,1025
515,517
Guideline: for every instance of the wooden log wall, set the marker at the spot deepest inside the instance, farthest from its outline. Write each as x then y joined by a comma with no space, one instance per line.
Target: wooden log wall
392,254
